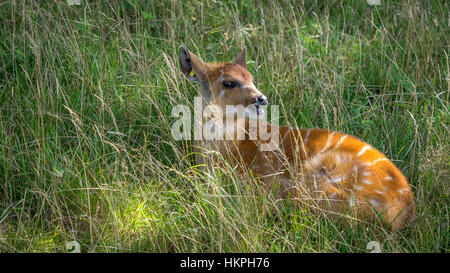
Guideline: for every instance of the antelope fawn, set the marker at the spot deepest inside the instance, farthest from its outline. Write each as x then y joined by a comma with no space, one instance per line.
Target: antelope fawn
332,171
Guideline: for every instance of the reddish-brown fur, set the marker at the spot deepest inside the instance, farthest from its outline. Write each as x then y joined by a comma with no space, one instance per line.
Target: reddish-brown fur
327,170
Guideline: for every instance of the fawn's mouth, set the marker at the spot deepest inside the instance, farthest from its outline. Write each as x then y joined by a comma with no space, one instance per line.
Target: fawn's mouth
255,111
259,110
252,111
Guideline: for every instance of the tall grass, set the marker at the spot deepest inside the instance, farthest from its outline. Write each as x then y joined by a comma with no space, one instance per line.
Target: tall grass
86,94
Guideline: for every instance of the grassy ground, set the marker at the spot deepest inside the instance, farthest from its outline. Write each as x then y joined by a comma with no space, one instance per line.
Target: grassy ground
86,94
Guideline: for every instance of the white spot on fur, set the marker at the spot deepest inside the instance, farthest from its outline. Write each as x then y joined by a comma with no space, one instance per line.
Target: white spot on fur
374,202
401,191
306,137
358,188
363,150
380,159
366,173
389,178
366,164
379,192
365,181
340,141
336,179
330,137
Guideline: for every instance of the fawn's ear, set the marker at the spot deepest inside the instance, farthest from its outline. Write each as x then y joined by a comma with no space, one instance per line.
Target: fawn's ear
192,66
241,59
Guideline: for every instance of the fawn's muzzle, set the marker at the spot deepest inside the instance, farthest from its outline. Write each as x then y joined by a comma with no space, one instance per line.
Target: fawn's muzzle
261,100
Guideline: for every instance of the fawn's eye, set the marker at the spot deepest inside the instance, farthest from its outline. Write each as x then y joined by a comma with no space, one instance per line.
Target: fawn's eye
229,85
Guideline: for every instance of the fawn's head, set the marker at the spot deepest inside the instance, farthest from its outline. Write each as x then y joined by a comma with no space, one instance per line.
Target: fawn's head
223,84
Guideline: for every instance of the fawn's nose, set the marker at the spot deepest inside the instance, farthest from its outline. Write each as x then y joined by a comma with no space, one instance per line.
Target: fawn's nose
261,100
